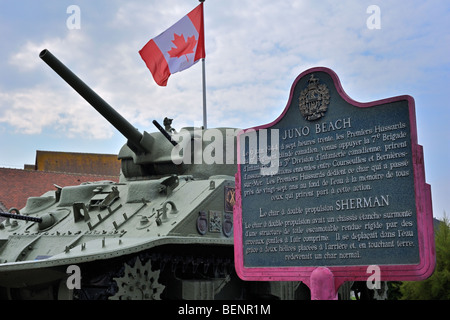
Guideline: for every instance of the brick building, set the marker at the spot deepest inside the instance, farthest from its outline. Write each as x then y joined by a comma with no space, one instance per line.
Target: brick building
54,168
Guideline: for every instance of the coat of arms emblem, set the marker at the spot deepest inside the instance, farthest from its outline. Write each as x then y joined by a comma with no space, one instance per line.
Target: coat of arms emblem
314,100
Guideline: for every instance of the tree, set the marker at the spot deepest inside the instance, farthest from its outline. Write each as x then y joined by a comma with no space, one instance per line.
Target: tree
436,287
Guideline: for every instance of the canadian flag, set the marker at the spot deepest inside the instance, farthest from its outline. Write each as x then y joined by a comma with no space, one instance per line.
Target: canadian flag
177,48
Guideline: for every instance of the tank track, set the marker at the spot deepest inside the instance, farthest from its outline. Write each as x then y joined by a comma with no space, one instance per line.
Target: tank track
154,274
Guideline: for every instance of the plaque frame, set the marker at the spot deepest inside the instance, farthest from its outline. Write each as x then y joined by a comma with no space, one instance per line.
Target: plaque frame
334,276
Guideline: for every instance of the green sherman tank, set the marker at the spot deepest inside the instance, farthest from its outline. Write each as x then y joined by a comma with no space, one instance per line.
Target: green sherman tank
164,231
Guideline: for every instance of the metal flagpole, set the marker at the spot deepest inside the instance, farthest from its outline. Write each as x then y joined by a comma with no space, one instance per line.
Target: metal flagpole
204,93
204,83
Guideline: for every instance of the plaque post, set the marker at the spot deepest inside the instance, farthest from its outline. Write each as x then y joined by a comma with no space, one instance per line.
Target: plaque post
322,284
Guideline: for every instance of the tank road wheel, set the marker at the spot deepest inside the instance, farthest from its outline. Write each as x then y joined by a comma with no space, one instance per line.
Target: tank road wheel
138,283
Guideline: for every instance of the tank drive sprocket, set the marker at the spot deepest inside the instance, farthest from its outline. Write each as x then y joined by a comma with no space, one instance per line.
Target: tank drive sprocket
139,282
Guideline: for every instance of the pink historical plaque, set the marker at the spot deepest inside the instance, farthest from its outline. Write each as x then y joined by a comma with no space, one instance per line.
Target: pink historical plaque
331,187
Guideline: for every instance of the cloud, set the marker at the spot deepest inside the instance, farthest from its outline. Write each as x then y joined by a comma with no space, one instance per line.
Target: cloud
50,104
254,52
68,47
30,111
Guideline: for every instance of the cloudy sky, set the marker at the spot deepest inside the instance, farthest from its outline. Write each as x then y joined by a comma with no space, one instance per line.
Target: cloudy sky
254,51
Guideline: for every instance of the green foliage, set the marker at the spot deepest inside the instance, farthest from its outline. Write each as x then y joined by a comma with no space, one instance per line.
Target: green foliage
436,287
394,290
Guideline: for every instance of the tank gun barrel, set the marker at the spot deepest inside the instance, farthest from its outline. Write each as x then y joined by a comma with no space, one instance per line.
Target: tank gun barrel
20,217
121,124
164,132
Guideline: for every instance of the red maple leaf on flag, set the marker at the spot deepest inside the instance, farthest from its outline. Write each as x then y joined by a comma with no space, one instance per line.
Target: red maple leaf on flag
182,47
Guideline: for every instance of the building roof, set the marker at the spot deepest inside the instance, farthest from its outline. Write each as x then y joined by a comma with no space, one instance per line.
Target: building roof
81,163
17,185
